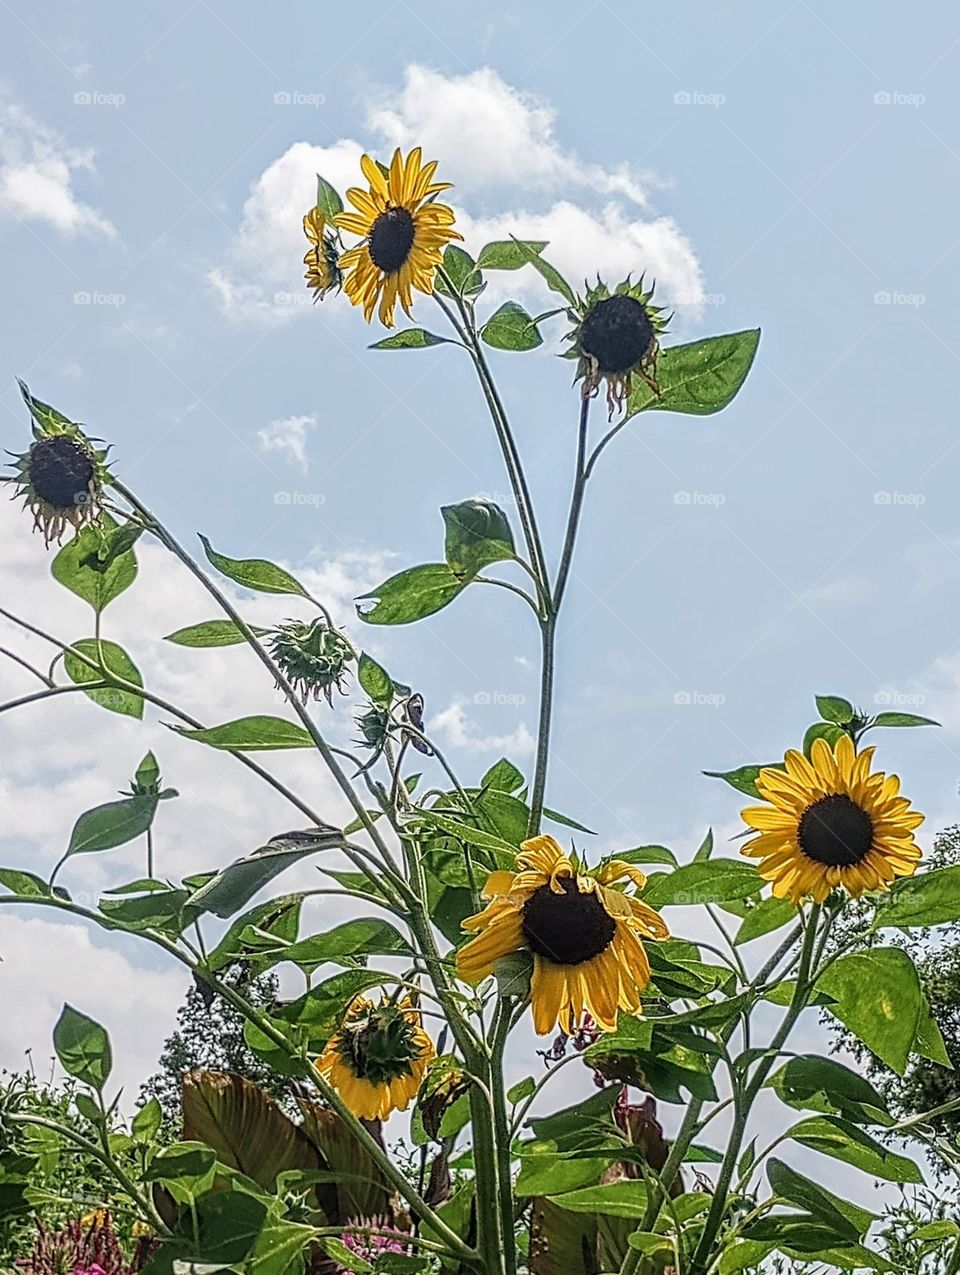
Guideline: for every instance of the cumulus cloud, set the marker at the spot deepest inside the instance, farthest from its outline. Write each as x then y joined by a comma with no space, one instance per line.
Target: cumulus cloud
37,175
513,176
289,437
454,725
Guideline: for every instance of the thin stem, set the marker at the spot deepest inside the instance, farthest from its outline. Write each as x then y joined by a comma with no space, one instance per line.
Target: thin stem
18,659
501,1030
36,696
505,584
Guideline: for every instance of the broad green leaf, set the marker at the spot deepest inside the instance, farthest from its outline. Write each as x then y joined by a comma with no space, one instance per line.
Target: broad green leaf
852,1146
616,1199
508,254
24,883
113,824
842,1215
264,926
511,328
504,776
705,849
165,910
768,915
931,898
366,936
146,1123
700,378
522,1090
711,881
319,1012
328,198
116,661
902,719
648,854
566,822
461,269
80,568
744,778
212,633
251,734
877,996
464,832
477,534
928,1041
814,1083
828,731
375,680
833,708
410,339
83,1048
550,274
411,595
235,885
253,573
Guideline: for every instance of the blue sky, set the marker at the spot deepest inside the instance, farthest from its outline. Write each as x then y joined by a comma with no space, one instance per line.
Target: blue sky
790,165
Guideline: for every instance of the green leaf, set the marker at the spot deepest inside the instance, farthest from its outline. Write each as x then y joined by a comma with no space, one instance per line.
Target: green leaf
767,916
877,995
744,778
251,734
145,1125
253,573
116,661
711,881
319,1012
461,269
42,413
552,276
814,1083
212,633
839,1214
508,254
566,822
616,1199
477,534
79,567
706,848
366,936
113,824
843,1141
511,328
828,731
83,1048
928,1041
932,898
328,199
902,719
235,885
700,378
504,776
648,854
375,680
833,708
522,1090
410,339
24,884
411,595
266,925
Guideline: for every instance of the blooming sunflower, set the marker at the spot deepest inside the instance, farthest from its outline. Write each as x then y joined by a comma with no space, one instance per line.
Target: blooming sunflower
830,821
616,336
404,233
585,936
61,479
377,1059
322,260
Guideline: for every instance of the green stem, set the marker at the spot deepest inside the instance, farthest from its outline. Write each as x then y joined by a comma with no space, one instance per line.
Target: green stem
486,1183
501,1030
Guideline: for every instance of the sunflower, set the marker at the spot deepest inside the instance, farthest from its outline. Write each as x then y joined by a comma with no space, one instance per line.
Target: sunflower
61,479
616,336
404,233
585,935
377,1059
322,260
312,656
830,821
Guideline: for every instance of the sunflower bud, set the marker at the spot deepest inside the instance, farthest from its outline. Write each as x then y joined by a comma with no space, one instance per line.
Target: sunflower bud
61,479
616,337
312,656
374,725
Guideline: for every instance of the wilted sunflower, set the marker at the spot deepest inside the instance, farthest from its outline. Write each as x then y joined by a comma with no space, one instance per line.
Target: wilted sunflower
585,936
61,480
616,337
312,656
322,259
377,1059
831,822
404,233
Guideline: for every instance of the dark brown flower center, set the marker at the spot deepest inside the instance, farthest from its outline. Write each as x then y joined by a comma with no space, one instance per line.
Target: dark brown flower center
567,928
61,471
617,333
391,239
835,831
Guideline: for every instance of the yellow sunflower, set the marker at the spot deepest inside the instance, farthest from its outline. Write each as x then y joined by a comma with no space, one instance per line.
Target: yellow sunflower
585,936
377,1059
831,822
323,266
404,234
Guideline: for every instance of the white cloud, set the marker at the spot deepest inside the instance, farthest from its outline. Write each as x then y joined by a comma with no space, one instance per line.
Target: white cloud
512,176
454,725
37,174
289,437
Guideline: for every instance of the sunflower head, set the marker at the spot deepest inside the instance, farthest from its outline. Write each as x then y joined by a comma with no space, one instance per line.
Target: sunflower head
585,930
403,231
322,259
312,656
831,821
616,336
61,478
377,1059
